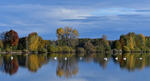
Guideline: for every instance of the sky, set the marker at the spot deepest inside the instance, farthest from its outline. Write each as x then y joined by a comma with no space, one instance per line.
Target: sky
92,18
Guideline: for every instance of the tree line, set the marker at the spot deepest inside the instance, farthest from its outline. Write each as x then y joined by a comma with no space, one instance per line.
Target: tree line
132,42
68,41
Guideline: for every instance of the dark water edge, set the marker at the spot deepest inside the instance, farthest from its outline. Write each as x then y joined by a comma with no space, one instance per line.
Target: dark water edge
107,52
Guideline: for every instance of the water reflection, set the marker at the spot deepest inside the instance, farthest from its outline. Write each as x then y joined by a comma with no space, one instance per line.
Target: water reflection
10,65
67,67
68,64
133,61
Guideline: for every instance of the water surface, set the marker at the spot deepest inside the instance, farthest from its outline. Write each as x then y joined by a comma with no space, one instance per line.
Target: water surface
75,67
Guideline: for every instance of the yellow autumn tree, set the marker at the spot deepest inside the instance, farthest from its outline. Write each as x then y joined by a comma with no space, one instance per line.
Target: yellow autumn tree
33,41
60,33
67,36
131,43
75,33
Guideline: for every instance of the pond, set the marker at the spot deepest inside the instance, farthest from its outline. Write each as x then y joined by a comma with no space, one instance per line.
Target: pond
75,67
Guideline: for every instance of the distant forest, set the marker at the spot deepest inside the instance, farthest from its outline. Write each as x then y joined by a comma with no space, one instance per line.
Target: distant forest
68,41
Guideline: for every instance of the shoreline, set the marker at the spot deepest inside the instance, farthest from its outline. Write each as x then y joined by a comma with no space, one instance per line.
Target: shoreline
107,52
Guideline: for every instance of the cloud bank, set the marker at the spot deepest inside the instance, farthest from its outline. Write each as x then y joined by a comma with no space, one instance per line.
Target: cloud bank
91,18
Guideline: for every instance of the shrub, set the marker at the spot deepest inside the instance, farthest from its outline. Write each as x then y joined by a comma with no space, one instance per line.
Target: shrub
126,49
52,49
100,49
60,49
66,49
80,50
72,50
137,49
88,46
43,50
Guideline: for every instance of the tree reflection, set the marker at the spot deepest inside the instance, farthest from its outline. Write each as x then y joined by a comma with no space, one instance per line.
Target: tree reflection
100,59
67,66
10,65
133,61
34,62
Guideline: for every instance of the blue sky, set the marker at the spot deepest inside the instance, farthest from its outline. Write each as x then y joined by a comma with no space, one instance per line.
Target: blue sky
91,18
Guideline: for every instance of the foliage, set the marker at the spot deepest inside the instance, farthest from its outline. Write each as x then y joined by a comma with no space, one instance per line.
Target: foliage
22,43
88,46
68,42
1,44
43,50
118,45
126,49
137,49
33,41
52,49
80,50
11,39
100,49
133,42
67,36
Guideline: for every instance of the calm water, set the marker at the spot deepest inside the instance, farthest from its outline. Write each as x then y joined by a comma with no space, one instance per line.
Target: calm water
69,67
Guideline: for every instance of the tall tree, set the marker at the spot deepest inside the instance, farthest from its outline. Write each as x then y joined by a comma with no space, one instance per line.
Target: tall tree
118,45
22,43
11,38
60,33
140,41
33,41
67,36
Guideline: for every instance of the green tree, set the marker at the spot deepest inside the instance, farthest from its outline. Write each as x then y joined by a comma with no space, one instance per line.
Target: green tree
122,40
126,49
43,44
118,45
131,40
22,43
140,41
1,45
52,49
88,46
147,40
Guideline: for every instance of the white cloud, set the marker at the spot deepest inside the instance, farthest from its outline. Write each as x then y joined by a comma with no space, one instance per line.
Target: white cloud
25,18
39,18
119,11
